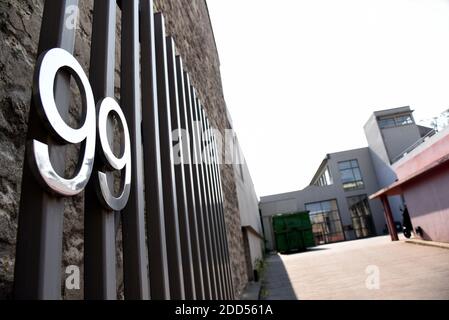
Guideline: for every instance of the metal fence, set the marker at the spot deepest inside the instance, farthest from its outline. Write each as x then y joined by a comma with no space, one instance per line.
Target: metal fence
173,228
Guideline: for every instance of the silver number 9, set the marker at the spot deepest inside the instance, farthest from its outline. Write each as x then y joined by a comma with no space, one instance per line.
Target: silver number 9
47,67
108,105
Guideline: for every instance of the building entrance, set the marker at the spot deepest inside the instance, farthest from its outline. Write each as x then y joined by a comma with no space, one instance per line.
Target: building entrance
362,220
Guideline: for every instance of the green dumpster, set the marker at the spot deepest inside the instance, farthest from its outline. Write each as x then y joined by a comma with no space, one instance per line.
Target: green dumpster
293,232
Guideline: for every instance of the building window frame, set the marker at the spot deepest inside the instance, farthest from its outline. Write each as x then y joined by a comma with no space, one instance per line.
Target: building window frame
356,183
325,179
335,220
393,121
365,226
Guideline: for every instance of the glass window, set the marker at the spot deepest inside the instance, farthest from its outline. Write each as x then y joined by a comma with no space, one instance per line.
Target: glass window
326,223
350,174
326,206
328,177
314,207
325,179
396,121
404,120
333,215
357,174
387,123
362,221
344,165
347,175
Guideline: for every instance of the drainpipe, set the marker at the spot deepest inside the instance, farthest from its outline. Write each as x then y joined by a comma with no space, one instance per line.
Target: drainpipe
389,217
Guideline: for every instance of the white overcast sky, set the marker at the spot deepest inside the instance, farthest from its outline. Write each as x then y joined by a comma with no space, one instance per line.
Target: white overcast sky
301,77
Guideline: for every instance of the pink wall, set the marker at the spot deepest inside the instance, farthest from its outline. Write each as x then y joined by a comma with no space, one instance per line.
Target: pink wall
422,159
427,199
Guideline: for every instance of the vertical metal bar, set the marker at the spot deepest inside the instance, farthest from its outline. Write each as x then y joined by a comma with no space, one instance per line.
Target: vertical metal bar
220,233
222,217
197,187
168,174
208,207
213,207
133,218
37,272
181,197
99,224
221,220
204,199
157,248
215,167
184,97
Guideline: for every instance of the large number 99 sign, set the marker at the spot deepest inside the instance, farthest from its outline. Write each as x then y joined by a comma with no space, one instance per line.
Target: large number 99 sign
47,67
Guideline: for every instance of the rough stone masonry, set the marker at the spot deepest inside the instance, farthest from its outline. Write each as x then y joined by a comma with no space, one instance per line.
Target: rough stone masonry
188,22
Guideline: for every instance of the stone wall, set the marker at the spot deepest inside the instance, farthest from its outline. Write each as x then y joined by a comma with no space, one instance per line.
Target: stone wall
19,30
188,22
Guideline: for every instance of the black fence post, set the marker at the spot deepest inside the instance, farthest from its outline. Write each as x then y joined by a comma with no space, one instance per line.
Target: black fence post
167,166
156,238
37,273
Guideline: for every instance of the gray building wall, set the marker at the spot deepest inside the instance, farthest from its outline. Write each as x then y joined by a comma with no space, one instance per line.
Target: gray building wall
398,139
381,162
296,201
386,145
249,213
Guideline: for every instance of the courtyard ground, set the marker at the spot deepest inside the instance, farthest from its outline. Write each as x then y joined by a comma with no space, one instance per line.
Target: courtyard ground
373,268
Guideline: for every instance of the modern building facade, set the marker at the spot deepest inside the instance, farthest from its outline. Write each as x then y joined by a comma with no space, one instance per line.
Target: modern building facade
337,199
338,195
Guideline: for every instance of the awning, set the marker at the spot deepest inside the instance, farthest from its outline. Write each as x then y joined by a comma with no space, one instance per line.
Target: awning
396,188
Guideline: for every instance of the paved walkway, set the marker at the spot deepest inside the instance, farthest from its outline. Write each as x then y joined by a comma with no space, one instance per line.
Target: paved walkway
343,271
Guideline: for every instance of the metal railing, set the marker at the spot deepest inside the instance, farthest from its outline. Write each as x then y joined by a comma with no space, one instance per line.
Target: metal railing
413,146
174,235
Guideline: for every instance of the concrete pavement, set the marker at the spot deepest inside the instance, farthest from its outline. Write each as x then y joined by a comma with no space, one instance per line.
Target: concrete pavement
374,268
